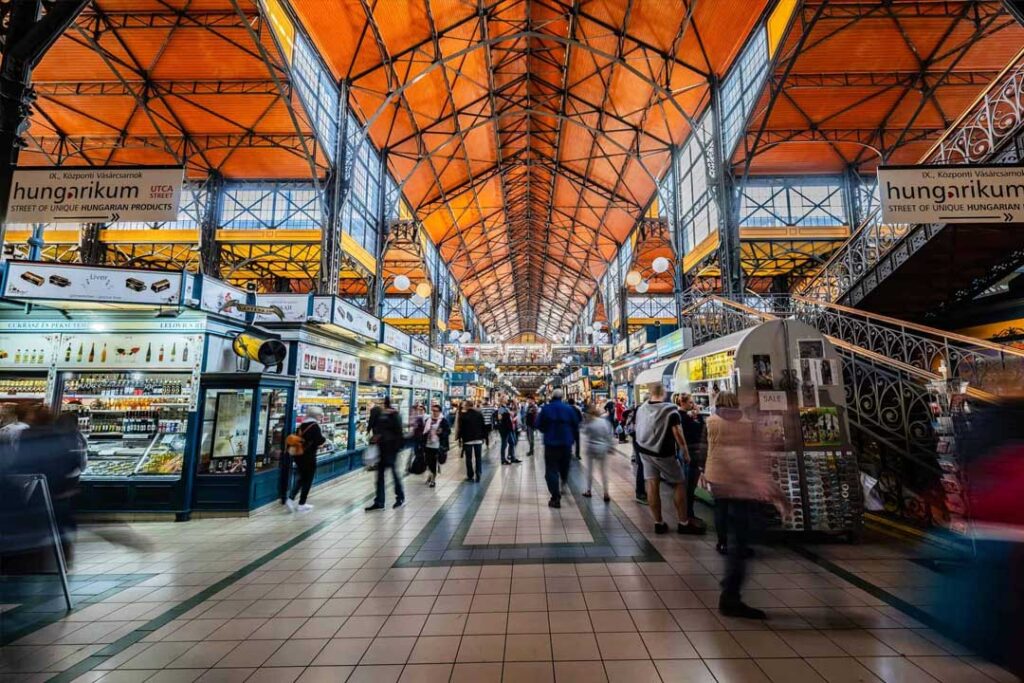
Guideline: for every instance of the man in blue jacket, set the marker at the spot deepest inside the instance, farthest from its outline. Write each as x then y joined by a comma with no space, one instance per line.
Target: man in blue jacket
559,423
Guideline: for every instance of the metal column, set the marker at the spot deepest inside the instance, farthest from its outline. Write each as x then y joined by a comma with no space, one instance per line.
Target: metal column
29,35
209,250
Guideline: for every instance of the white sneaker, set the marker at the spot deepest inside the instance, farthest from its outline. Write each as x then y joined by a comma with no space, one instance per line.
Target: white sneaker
305,508
290,504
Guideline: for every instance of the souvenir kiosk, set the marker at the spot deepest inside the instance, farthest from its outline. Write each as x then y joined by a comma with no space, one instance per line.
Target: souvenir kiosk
789,382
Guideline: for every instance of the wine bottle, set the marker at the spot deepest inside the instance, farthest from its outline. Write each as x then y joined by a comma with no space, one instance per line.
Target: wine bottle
149,351
67,354
184,353
160,358
174,351
103,354
92,353
80,346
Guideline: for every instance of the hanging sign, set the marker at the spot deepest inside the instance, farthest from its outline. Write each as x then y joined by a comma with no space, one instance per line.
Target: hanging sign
420,350
27,351
95,195
315,361
129,351
621,348
951,194
354,319
290,308
395,338
32,280
449,363
674,342
436,357
221,298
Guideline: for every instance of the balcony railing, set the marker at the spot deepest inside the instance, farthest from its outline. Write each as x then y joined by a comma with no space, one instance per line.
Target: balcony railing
986,132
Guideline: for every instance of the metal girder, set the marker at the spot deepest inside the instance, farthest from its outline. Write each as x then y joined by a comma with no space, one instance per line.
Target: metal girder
863,136
166,17
922,9
159,88
1016,9
856,79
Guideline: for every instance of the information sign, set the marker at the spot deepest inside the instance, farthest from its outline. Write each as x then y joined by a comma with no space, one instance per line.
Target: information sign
951,194
95,195
315,361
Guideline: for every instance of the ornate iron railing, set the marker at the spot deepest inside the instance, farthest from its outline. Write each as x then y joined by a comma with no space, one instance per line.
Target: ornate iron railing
985,132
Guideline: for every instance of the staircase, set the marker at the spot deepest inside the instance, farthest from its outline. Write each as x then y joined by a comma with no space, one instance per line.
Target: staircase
881,259
887,364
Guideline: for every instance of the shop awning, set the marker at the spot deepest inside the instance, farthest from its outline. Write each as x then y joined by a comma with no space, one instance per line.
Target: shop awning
659,372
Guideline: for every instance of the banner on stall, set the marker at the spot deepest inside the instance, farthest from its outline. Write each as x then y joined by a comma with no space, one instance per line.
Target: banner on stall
27,351
951,194
144,194
64,282
292,308
420,350
315,361
395,338
118,351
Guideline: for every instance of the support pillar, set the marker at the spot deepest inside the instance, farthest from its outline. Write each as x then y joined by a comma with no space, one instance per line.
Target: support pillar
334,200
376,302
91,249
209,250
29,35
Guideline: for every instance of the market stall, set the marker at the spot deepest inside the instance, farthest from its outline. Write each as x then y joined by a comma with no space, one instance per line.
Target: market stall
788,380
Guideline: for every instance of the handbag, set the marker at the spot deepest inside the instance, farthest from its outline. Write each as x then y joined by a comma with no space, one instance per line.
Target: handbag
371,456
418,463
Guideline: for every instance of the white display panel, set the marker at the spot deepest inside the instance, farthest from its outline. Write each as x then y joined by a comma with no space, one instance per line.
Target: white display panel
53,281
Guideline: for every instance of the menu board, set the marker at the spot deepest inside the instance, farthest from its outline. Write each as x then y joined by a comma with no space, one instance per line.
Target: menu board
674,342
317,361
27,351
714,366
396,339
32,280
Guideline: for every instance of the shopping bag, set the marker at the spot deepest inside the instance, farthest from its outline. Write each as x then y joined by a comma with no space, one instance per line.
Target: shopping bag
371,456
417,463
442,456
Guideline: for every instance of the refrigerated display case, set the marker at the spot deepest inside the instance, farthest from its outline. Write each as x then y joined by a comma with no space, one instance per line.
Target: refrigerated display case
135,424
335,398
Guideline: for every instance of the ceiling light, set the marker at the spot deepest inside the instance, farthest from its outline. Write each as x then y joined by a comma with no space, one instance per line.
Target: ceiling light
642,287
423,289
660,264
633,278
402,283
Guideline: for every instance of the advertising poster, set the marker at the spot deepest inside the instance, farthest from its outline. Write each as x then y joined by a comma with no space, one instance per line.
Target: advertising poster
770,430
763,371
319,362
32,280
284,308
819,427
217,297
952,194
27,351
354,319
129,351
810,348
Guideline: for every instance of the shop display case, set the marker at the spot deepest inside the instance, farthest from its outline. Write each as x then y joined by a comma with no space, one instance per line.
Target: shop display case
401,400
224,437
421,397
335,397
369,395
135,424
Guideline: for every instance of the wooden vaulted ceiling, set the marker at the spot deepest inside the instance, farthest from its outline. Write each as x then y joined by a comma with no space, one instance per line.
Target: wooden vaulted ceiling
171,81
857,82
528,133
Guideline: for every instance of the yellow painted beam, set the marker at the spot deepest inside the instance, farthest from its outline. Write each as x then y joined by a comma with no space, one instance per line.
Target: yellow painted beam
698,253
111,236
269,236
356,251
789,232
50,236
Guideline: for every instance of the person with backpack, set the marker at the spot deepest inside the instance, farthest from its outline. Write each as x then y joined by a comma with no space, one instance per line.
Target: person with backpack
629,427
302,446
389,436
600,443
435,442
471,431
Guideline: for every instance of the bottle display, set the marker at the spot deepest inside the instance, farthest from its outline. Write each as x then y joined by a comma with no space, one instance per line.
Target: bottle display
134,423
334,397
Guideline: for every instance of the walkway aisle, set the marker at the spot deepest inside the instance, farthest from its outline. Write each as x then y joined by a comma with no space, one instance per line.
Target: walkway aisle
467,583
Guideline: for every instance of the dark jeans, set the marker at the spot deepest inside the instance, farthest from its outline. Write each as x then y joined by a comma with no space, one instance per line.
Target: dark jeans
722,521
556,465
529,439
577,435
430,455
388,460
284,476
692,475
508,443
641,487
740,514
472,452
303,482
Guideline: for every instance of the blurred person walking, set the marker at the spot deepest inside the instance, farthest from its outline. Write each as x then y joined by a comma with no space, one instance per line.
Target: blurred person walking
600,443
559,423
579,420
740,482
506,433
659,434
389,435
471,432
530,420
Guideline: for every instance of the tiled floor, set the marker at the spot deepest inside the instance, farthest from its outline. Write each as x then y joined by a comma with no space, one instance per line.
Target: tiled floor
401,596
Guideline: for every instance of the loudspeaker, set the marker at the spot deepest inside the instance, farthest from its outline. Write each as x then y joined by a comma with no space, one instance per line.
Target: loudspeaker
269,352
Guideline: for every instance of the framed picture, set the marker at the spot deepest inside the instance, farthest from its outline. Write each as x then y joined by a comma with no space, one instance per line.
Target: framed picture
771,429
808,395
763,372
829,372
810,348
